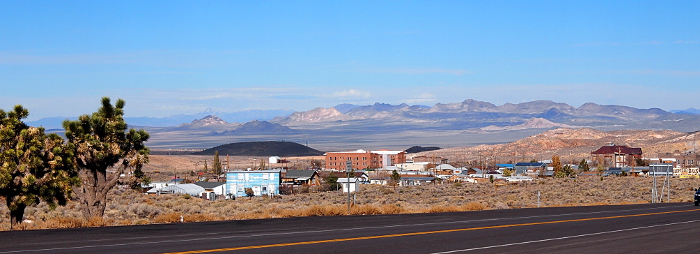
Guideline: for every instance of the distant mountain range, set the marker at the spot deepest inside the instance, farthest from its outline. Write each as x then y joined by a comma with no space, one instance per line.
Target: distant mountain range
175,120
387,126
689,111
479,114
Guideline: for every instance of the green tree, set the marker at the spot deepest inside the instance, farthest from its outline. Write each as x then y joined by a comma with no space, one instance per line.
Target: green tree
508,172
395,178
641,162
566,171
34,166
102,142
332,181
600,169
316,164
216,165
249,192
556,164
206,168
583,166
146,180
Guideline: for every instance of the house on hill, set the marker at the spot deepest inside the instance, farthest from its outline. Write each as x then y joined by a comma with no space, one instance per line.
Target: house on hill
617,156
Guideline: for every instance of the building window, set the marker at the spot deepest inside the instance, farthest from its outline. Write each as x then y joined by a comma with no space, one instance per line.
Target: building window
240,177
265,176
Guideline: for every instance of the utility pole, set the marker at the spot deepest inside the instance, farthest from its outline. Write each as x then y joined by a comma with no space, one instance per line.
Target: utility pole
348,167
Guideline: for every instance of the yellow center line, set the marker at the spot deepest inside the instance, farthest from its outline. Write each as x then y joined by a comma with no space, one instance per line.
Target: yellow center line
422,233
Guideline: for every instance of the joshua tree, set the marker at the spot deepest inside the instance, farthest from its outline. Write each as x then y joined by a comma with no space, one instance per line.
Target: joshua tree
33,166
102,142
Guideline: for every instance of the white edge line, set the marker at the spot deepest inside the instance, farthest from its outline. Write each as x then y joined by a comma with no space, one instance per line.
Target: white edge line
565,237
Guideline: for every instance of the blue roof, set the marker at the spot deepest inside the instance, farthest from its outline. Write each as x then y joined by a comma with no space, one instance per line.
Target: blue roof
530,164
504,165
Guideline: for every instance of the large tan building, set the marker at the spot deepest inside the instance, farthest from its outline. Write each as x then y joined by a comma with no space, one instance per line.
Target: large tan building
616,156
362,159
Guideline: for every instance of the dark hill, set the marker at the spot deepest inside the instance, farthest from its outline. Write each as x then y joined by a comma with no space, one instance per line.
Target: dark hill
418,149
263,148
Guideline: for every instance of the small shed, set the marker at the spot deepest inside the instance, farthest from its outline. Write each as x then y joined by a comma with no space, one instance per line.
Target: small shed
350,184
274,159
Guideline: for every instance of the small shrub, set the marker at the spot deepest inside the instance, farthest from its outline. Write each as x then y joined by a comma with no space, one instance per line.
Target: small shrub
364,210
391,209
473,206
167,218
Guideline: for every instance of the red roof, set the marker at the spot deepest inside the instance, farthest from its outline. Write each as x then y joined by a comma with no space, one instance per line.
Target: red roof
618,149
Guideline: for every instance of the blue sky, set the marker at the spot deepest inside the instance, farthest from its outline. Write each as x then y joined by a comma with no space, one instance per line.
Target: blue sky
58,58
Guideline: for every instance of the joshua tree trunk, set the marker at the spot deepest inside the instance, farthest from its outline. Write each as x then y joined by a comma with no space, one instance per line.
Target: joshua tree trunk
16,215
94,189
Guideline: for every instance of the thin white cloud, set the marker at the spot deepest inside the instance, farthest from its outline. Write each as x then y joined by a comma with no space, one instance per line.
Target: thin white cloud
421,98
351,93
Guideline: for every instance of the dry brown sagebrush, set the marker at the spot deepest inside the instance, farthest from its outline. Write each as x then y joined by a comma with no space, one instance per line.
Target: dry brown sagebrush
126,207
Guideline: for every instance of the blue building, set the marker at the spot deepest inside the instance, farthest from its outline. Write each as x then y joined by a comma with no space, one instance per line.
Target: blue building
262,182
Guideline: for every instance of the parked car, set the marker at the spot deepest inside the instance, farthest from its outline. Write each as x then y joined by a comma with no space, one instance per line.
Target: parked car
697,197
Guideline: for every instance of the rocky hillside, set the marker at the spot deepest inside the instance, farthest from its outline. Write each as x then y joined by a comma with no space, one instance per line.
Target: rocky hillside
314,115
479,115
210,121
534,123
571,144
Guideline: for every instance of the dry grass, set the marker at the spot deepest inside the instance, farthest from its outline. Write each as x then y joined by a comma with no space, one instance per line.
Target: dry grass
127,207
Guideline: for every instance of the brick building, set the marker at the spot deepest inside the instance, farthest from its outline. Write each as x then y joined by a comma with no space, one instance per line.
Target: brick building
617,156
362,159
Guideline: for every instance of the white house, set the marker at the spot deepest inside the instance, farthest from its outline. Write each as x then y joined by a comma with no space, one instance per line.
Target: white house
352,184
213,190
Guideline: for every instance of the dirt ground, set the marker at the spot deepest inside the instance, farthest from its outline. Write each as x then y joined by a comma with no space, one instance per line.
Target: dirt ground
128,207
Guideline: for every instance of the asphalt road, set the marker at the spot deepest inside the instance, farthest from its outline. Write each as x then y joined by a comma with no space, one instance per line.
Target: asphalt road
646,228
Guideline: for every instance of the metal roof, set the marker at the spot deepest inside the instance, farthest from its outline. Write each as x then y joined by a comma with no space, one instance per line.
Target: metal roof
209,185
617,149
530,164
300,173
188,188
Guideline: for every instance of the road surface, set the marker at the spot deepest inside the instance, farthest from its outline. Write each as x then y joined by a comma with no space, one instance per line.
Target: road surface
645,228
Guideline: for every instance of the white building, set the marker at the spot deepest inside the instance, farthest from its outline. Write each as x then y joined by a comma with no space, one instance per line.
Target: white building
352,184
274,159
